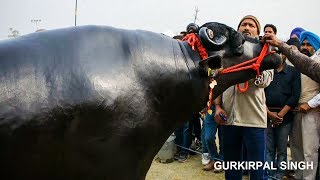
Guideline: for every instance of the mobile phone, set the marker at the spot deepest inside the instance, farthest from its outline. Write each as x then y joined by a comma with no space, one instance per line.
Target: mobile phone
223,116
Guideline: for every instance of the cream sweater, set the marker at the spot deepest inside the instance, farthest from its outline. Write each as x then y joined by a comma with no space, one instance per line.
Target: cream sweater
248,109
309,88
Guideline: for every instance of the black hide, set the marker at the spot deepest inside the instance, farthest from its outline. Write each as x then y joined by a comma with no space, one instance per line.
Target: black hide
94,102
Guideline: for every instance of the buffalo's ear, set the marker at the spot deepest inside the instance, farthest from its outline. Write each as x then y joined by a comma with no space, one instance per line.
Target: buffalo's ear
213,62
236,41
238,50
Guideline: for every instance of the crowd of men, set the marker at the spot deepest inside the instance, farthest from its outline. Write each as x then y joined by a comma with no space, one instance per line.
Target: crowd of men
284,106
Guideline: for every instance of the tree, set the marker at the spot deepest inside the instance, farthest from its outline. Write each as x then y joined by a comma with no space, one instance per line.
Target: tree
13,33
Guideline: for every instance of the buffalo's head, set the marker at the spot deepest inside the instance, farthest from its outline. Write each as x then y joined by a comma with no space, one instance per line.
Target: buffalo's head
227,47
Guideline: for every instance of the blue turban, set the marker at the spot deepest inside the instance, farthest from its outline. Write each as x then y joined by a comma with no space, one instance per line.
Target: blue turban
313,39
297,31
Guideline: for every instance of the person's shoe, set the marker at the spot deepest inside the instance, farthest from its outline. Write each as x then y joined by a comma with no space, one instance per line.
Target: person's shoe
198,145
205,158
245,172
176,156
193,147
183,157
289,178
290,173
218,170
209,166
279,176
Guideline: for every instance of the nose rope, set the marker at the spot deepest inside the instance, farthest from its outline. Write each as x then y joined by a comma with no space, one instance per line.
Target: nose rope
254,64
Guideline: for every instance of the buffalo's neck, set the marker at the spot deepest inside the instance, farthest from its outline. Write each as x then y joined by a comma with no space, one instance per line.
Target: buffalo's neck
174,97
173,92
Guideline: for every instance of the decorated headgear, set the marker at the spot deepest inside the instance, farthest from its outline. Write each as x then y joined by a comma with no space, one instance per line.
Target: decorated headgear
296,31
312,38
254,19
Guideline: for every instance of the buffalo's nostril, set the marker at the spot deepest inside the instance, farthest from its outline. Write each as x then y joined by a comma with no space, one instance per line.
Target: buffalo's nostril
213,62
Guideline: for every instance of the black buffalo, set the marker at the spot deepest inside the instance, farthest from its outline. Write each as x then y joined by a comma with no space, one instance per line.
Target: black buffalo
96,102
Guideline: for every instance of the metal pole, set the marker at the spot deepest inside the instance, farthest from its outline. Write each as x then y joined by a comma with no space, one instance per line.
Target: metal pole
75,13
36,21
196,14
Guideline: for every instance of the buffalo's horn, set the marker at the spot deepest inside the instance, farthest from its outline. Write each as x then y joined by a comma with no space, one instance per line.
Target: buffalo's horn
192,28
208,36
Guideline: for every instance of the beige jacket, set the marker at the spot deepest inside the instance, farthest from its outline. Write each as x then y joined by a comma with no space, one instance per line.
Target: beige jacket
309,87
248,109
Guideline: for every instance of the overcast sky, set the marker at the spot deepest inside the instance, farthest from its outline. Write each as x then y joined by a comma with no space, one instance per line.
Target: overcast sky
163,16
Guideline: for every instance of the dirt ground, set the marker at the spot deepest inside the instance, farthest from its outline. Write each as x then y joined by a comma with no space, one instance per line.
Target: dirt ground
191,169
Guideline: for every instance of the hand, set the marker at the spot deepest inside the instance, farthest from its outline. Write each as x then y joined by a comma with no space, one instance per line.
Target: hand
304,108
217,116
276,120
280,114
271,39
202,115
